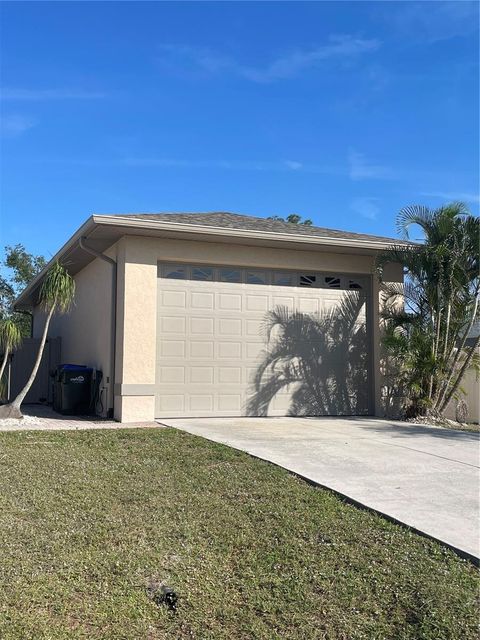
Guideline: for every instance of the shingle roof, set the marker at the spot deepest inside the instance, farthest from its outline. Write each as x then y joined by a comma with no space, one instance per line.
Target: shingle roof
228,220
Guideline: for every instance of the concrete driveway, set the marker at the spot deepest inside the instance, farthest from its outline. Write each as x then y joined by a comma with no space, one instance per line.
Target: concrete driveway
425,477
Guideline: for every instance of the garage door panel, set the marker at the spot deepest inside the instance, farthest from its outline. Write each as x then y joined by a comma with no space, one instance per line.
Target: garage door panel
228,375
228,301
284,301
308,305
173,324
229,326
170,403
254,350
176,299
201,374
202,300
253,328
229,350
256,303
171,348
201,349
201,403
201,325
172,374
230,402
211,345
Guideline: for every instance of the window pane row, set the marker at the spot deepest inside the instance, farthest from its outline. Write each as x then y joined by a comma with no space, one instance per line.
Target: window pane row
255,276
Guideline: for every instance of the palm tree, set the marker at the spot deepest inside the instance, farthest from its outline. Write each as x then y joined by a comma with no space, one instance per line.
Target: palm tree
10,338
428,337
56,295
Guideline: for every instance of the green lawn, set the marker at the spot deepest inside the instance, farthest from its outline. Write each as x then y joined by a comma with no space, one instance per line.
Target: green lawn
89,518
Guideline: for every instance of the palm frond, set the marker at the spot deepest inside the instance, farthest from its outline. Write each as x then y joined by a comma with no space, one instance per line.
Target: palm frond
58,289
10,334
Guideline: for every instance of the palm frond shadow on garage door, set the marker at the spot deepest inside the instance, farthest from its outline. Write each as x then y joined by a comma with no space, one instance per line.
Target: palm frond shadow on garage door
320,359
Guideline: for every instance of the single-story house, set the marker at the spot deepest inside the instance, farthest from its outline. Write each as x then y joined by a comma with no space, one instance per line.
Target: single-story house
219,314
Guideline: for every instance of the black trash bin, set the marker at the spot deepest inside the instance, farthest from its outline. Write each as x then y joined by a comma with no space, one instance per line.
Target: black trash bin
73,390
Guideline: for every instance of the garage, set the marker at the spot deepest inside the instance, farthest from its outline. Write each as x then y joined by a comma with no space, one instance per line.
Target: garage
219,314
235,341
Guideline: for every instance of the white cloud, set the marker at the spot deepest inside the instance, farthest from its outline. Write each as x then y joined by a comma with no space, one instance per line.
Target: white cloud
245,165
138,161
338,47
361,169
14,125
454,196
288,65
430,22
293,164
10,93
367,207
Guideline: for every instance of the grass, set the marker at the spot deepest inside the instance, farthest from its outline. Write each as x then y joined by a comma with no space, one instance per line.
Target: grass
89,519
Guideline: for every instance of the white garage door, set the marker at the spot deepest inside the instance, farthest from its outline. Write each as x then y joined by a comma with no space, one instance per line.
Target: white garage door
233,342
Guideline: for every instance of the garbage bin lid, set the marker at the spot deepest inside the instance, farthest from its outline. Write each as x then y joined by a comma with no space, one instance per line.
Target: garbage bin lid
74,367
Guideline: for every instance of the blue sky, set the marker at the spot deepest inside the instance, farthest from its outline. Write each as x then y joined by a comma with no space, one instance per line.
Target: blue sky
342,112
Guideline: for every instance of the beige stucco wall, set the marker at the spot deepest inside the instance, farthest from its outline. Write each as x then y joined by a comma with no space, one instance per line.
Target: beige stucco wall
86,329
137,304
471,386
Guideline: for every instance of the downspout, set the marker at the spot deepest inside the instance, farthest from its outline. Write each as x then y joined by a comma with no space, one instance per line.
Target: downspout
113,331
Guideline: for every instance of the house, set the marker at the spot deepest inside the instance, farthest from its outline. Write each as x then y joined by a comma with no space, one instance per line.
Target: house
174,309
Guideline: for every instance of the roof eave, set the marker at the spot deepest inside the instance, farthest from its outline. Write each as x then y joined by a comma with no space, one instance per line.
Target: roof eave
243,233
84,230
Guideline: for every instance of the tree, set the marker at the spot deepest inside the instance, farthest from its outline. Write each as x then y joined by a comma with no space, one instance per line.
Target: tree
25,266
56,295
22,268
428,336
293,218
10,338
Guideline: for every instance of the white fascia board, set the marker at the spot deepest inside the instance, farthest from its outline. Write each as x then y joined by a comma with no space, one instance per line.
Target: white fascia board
196,229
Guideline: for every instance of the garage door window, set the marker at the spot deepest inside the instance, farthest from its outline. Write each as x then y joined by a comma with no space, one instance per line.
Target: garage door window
307,280
230,275
261,277
332,282
283,279
256,277
202,273
353,284
175,271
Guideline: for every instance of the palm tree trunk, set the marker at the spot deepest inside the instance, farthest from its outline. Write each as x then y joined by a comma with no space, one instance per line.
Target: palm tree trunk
441,399
435,346
4,362
447,330
21,396
464,368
